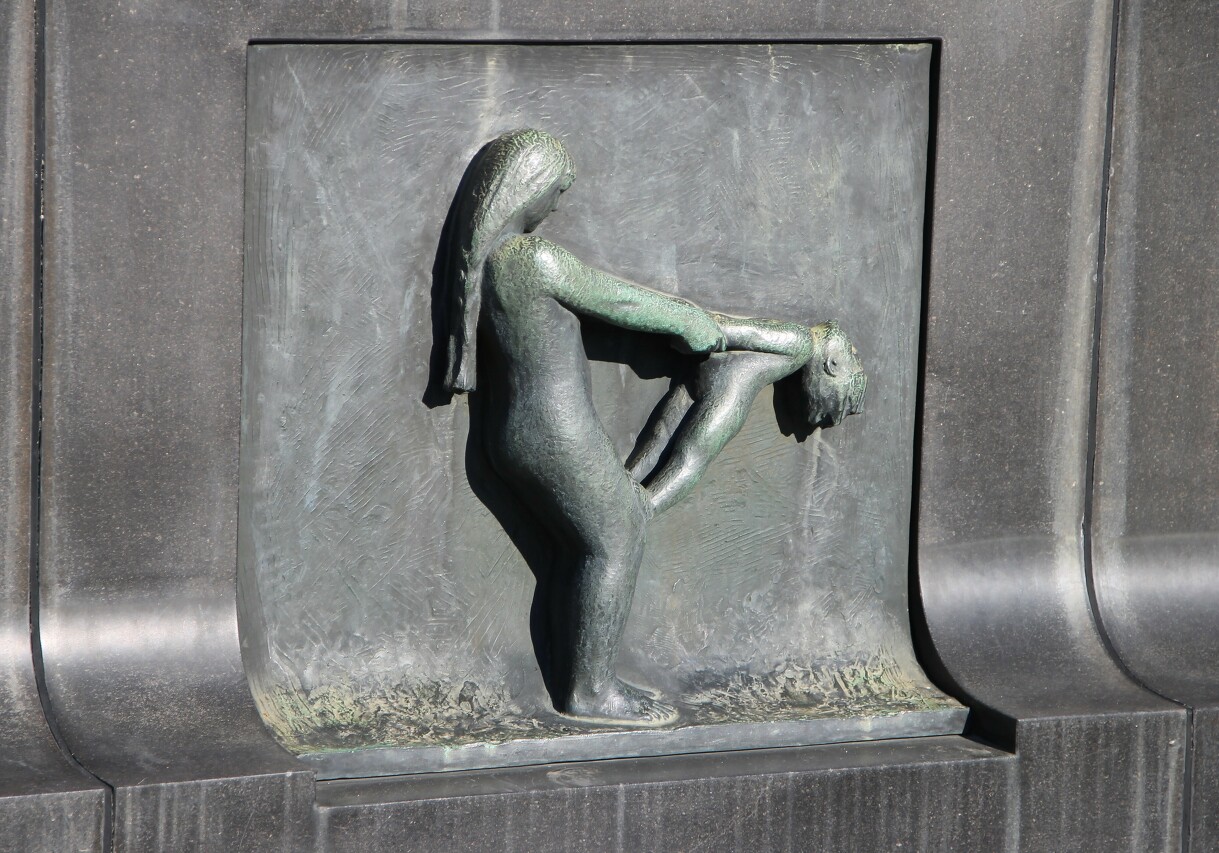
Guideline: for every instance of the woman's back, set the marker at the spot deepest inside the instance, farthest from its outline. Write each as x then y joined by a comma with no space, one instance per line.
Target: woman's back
538,338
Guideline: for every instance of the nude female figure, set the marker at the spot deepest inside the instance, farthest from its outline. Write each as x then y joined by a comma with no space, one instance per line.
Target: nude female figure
522,297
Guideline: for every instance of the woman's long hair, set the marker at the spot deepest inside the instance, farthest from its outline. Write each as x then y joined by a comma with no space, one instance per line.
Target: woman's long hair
510,174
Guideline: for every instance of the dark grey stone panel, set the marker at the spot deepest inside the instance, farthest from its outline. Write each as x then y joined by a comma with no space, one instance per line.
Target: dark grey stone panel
46,803
1039,669
945,794
139,626
251,814
1156,517
1156,523
1202,796
1102,784
1005,419
65,822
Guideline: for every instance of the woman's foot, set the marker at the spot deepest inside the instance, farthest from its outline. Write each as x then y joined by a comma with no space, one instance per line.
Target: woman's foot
621,704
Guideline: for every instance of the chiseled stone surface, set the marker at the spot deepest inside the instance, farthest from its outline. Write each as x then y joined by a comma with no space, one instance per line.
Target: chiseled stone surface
927,794
1067,761
1203,793
271,813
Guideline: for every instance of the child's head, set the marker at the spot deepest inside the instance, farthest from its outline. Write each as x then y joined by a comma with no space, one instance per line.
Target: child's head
833,379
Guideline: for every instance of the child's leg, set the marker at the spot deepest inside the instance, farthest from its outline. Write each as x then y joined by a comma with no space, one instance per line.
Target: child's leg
664,422
708,425
725,388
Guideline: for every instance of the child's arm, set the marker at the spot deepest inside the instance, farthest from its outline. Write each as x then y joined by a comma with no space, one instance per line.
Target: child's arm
761,335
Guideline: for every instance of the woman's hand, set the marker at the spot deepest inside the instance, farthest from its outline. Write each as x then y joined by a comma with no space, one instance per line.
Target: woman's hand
702,335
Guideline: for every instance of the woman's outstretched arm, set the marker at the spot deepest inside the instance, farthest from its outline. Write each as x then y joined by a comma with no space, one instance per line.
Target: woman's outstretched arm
594,293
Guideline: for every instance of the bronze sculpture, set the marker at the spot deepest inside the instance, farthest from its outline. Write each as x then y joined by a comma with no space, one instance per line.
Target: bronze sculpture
524,296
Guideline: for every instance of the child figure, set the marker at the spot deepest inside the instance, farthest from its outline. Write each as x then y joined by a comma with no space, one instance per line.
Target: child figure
700,415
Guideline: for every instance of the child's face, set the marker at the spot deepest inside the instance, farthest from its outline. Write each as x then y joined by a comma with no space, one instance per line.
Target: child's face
834,381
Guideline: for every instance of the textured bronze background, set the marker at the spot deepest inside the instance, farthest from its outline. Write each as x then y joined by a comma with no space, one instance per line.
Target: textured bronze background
382,601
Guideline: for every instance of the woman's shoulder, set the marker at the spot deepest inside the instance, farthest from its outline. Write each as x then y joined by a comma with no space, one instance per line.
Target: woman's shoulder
531,249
